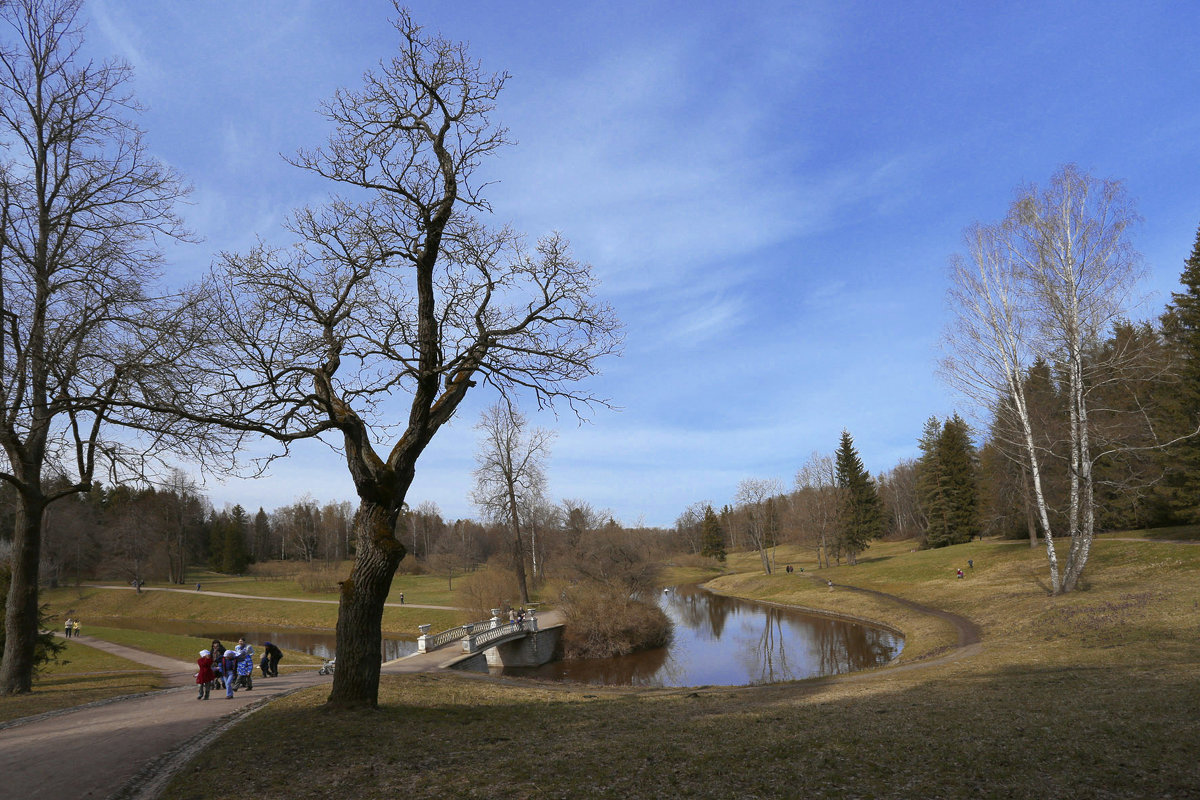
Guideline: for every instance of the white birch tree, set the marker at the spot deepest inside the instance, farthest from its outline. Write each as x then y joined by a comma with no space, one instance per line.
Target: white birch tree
1049,282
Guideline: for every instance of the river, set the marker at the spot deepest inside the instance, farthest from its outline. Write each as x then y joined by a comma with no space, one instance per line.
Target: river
726,641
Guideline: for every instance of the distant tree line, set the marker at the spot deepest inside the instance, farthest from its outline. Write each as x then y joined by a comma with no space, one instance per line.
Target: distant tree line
1143,396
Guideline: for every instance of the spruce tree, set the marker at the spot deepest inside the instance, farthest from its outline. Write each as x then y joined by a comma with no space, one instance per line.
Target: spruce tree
948,482
860,514
712,538
228,541
930,494
959,464
1181,325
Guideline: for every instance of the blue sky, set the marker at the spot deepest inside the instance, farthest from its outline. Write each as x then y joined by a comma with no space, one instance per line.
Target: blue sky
769,193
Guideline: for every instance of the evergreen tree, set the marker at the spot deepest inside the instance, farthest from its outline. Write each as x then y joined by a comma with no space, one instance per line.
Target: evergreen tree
960,468
1181,325
261,550
930,496
860,514
712,537
948,482
228,541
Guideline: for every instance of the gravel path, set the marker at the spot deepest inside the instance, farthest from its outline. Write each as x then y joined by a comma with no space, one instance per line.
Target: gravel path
128,748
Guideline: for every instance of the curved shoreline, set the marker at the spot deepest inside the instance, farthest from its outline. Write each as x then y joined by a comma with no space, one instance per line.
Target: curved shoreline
158,768
969,634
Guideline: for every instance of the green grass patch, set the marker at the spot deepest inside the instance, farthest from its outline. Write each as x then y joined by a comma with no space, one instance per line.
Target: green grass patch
182,648
96,605
84,676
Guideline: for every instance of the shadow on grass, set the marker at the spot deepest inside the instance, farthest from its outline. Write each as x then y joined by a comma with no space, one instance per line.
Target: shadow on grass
1015,732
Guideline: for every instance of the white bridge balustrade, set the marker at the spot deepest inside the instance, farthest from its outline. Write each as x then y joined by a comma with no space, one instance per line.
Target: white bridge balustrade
474,642
426,643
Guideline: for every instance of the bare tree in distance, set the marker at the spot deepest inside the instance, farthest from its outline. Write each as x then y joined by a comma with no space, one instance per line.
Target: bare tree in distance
817,501
1048,282
401,291
541,518
83,338
510,474
689,525
753,494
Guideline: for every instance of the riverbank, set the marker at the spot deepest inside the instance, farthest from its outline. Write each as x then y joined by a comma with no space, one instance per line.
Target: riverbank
1094,694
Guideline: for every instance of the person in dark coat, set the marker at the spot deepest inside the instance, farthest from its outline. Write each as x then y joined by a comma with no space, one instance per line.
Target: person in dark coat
218,651
271,658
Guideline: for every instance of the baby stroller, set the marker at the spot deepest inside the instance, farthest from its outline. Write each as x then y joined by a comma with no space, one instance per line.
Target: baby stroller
327,667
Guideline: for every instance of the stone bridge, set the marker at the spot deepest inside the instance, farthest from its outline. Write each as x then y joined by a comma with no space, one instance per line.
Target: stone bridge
511,644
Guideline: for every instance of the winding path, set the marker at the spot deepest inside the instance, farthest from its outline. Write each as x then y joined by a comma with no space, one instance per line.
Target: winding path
969,641
208,593
128,748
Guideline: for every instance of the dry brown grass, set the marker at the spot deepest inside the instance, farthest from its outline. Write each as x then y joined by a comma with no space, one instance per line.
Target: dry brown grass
1091,695
319,578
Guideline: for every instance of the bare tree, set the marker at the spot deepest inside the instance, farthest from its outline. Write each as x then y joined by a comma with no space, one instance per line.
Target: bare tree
299,524
82,209
178,516
689,525
753,494
1049,282
817,502
510,474
400,291
542,520
579,518
425,523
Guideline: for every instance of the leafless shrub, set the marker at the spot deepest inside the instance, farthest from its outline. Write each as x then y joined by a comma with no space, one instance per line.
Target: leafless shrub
494,587
603,620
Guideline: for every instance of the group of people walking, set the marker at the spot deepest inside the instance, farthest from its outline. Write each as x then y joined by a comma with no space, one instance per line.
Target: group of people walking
71,628
233,668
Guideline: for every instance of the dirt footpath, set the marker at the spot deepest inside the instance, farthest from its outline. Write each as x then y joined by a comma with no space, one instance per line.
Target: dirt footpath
126,747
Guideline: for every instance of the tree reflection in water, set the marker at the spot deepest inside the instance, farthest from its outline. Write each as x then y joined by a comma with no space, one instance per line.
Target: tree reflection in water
728,641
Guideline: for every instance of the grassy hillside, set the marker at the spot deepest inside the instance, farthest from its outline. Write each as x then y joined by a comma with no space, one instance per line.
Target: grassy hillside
1091,695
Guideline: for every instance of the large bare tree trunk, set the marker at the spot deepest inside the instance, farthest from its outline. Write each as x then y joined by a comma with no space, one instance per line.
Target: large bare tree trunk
363,594
21,614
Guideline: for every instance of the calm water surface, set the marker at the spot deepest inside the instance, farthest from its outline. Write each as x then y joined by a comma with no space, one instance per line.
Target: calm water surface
314,642
726,641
